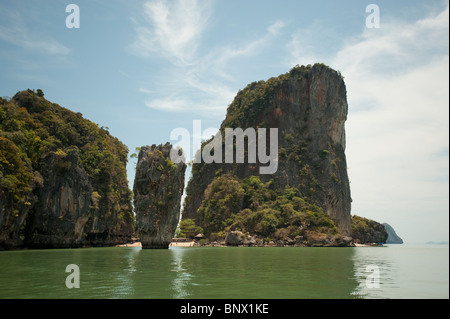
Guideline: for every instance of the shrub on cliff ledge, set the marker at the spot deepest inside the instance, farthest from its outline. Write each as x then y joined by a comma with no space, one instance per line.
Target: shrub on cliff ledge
188,229
223,199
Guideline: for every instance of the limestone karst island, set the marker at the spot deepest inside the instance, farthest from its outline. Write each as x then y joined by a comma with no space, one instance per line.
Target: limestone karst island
63,179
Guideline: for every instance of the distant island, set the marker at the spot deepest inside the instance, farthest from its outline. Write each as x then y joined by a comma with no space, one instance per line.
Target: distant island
392,238
63,178
437,243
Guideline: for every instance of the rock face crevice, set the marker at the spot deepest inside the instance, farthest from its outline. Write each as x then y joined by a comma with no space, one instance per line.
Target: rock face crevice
309,107
158,187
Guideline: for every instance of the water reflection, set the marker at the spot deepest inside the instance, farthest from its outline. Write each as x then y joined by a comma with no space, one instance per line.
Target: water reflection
405,271
373,271
248,273
125,286
183,277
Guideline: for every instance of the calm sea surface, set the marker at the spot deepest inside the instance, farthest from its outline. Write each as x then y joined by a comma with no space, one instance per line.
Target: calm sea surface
394,271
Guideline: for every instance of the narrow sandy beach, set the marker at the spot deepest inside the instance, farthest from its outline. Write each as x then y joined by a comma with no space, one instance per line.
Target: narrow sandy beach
172,244
135,244
182,244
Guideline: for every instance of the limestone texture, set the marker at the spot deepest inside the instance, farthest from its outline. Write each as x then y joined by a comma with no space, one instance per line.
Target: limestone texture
62,178
158,187
308,106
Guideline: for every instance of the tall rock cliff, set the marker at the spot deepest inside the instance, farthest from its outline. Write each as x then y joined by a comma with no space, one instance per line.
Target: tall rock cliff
308,106
62,178
158,187
60,215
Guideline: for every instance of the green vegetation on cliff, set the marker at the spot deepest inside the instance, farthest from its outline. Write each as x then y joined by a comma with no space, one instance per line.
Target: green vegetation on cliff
250,104
257,208
37,135
365,231
188,229
310,188
36,127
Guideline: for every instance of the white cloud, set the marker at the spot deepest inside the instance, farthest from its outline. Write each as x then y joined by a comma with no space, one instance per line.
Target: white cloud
207,99
170,104
401,73
398,47
275,28
219,59
301,51
392,148
173,29
19,35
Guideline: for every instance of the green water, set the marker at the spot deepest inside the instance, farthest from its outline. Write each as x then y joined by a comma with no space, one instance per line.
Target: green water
404,271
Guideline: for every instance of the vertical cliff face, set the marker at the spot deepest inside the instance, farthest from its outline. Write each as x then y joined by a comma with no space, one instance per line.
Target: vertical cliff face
69,213
158,188
62,178
309,107
16,199
59,217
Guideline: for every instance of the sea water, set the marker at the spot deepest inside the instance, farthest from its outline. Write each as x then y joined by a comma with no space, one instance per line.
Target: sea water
392,271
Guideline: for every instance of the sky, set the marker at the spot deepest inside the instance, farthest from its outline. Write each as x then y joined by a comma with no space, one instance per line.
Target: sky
144,68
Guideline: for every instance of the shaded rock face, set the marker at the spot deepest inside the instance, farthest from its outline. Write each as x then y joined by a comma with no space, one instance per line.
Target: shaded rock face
16,199
392,238
234,238
64,205
309,107
69,212
12,219
158,187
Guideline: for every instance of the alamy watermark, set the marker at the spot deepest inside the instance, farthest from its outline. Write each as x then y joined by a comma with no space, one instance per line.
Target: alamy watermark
73,19
235,140
373,278
373,19
73,280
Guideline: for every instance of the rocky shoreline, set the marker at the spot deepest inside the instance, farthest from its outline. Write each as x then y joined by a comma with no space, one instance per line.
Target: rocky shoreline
194,243
223,244
239,239
72,190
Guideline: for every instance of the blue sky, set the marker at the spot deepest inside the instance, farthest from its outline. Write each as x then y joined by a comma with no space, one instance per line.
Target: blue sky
144,68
